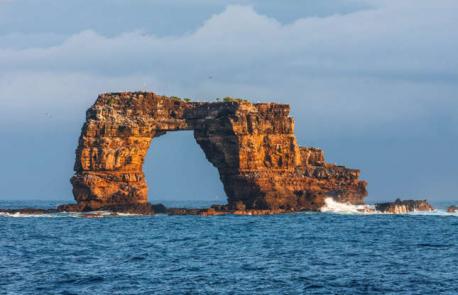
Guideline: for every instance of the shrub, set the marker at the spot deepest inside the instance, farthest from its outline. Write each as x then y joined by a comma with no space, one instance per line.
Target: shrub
232,99
111,101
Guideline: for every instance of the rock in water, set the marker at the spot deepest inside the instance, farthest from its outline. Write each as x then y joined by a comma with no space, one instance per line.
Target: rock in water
400,207
452,209
253,146
140,208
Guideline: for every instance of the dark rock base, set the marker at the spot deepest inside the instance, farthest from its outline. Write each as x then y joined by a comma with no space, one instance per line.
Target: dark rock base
400,207
143,209
396,207
452,209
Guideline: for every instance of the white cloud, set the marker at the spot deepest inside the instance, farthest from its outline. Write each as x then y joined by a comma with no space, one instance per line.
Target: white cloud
371,41
341,72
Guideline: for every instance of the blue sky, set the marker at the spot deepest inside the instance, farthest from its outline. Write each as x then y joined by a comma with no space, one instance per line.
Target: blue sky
373,82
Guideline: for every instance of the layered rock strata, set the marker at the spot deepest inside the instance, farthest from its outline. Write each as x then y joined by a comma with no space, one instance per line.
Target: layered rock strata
253,146
400,207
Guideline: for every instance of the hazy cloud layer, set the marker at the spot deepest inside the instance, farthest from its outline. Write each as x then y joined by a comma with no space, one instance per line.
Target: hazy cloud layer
159,17
358,74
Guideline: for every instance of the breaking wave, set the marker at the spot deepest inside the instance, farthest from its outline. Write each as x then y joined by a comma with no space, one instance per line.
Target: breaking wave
332,206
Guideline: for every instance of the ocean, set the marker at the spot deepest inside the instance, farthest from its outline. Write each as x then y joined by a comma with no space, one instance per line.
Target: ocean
340,252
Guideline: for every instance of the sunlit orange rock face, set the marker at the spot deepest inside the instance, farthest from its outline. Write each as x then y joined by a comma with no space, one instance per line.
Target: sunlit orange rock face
253,146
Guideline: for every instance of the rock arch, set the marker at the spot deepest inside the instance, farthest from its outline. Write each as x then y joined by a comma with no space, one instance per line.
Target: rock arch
252,145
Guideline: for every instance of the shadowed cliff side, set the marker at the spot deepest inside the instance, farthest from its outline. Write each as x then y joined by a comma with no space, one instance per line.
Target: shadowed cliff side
253,146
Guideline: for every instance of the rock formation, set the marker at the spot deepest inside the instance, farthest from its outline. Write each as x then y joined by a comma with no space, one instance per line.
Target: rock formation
400,207
452,209
253,146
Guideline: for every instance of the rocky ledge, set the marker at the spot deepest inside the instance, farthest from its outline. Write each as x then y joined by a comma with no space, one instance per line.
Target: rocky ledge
140,209
253,146
400,207
223,210
396,207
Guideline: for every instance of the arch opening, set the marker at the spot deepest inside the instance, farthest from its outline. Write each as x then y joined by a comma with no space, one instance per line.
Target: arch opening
178,173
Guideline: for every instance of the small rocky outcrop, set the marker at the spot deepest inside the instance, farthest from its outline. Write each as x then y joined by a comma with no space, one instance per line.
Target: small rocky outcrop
401,207
253,146
452,209
113,209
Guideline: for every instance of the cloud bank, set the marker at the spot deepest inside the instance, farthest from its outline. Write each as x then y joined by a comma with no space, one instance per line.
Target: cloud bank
392,54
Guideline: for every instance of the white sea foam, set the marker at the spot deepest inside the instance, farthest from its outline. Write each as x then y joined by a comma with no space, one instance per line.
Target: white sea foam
17,214
92,214
331,206
127,214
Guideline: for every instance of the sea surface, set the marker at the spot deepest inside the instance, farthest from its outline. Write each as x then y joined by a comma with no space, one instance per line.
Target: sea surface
303,253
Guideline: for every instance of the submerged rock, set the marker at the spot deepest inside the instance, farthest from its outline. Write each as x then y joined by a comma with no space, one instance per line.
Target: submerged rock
140,209
183,211
159,209
212,212
400,207
72,208
253,146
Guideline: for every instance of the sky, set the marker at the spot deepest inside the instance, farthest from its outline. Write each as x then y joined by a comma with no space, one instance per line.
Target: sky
372,82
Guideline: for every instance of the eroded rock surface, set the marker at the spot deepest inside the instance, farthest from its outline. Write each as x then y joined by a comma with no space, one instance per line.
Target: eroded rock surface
400,207
253,146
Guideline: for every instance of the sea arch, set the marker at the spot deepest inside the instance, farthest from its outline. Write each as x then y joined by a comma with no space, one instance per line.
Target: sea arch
253,147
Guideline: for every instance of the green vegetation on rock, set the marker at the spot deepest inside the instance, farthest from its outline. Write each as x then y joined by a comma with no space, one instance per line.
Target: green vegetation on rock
233,99
111,101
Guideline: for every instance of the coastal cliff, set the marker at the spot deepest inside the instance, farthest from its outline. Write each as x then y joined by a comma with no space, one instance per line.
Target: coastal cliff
253,146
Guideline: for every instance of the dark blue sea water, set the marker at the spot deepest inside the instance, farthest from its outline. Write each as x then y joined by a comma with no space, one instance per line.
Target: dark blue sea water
315,253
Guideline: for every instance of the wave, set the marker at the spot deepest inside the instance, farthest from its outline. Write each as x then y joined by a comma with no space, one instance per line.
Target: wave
436,212
332,206
17,214
94,214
